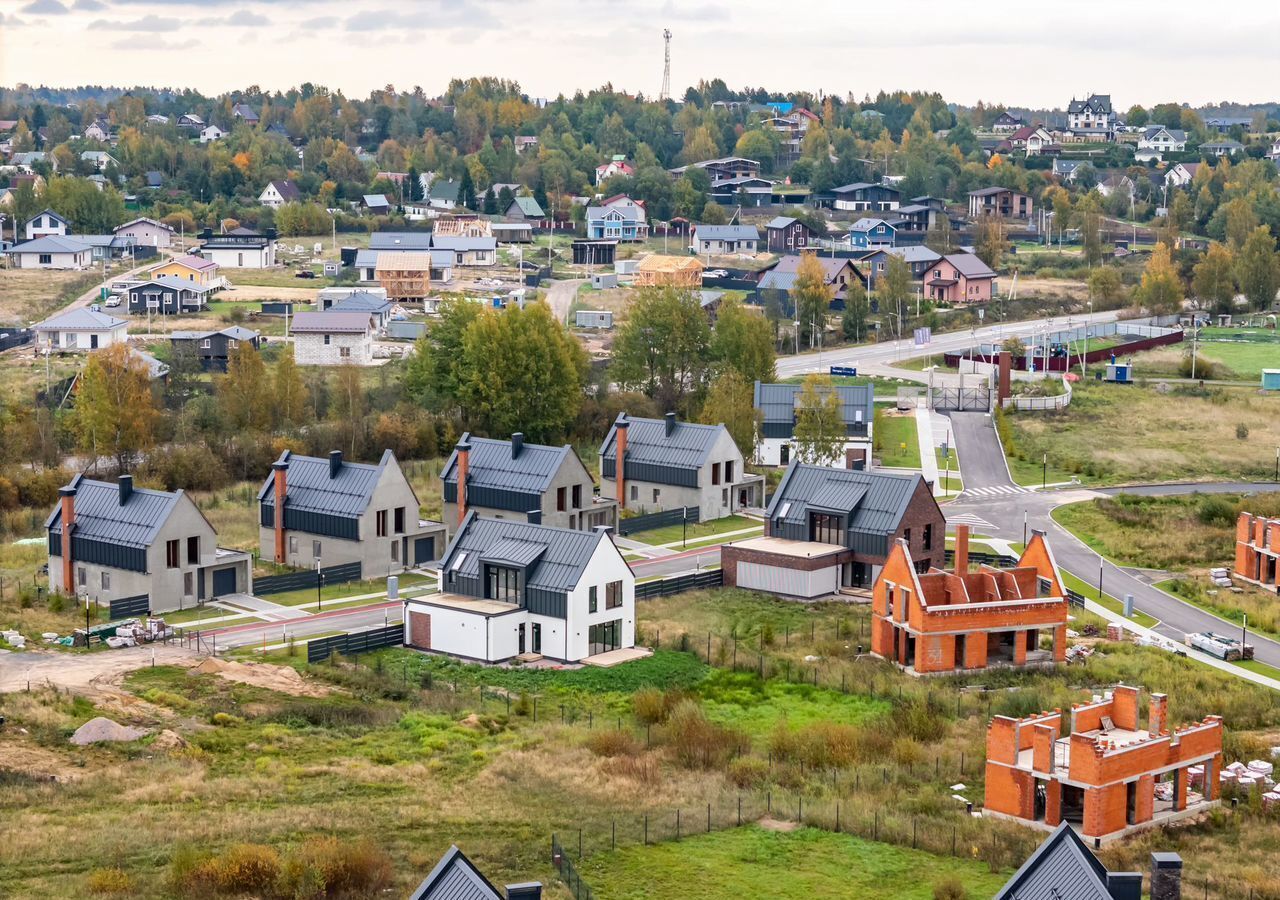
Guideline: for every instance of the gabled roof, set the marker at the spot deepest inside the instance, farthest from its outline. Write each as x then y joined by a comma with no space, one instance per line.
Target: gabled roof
100,516
51,243
234,332
80,320
780,222
50,213
969,265
874,502
400,240
143,220
287,190
372,200
1062,868
491,465
445,190
330,322
995,189
687,447
1176,134
1096,102
311,487
859,186
556,557
631,213
464,243
726,233
198,263
529,207
868,224
173,282
916,253
361,301
777,402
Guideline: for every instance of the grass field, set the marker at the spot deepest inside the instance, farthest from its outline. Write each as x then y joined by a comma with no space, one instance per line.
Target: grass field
896,445
29,295
751,862
951,483
1090,591
696,530
1181,433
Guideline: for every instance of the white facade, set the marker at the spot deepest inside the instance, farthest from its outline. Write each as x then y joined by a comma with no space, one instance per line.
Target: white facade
242,257
777,451
211,133
74,259
146,232
82,338
1163,140
334,349
45,224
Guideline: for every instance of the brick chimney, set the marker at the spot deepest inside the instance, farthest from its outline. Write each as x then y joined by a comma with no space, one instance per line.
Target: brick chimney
1158,714
464,458
280,467
962,549
68,494
1166,876
620,451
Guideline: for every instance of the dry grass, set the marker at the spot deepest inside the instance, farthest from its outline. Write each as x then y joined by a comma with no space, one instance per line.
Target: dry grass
29,295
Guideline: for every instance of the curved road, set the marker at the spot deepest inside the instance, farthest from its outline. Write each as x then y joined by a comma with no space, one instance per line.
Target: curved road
994,505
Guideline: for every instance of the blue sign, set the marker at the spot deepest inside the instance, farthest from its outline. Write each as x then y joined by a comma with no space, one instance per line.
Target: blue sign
850,371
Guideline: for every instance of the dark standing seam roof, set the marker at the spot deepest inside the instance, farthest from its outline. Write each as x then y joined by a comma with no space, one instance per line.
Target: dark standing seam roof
564,552
1062,868
687,448
400,240
514,552
309,487
100,517
491,465
874,501
455,878
777,402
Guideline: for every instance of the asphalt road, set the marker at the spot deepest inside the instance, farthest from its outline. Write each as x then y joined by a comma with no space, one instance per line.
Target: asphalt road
259,633
1003,515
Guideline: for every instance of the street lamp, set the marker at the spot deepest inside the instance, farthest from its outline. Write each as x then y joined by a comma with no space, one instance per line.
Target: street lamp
319,582
1044,471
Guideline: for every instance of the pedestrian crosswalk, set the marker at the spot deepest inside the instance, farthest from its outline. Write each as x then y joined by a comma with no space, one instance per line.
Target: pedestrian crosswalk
975,522
995,490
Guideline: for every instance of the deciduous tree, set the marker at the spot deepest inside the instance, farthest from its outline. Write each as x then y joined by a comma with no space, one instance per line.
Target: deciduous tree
820,429
1257,269
731,402
663,347
1214,279
243,391
743,341
115,412
812,297
1161,289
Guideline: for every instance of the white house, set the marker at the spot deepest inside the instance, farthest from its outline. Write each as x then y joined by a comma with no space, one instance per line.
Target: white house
52,252
146,232
777,406
1181,174
511,589
46,223
721,239
277,193
100,159
81,329
333,338
211,133
240,248
1163,140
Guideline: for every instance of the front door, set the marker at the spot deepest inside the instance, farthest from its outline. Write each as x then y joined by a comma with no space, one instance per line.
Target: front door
521,649
537,637
93,342
784,455
224,582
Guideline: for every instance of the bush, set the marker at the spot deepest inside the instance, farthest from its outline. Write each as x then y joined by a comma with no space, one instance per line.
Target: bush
109,881
748,771
243,869
698,742
950,889
613,743
327,867
1216,511
1242,431
821,745
649,705
226,720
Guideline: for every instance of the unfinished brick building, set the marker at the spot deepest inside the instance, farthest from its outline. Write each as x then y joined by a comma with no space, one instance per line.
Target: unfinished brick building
1107,776
939,622
1258,550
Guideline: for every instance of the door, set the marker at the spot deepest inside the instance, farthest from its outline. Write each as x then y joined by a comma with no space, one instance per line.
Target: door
224,582
537,637
784,455
604,637
93,342
521,643
424,550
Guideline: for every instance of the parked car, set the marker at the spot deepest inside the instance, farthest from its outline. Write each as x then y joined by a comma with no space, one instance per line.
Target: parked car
112,302
715,273
305,273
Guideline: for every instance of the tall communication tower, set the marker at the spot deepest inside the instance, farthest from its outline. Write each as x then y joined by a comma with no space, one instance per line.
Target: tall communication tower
666,65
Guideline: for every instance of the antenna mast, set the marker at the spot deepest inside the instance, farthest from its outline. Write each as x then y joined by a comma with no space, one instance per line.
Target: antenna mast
665,94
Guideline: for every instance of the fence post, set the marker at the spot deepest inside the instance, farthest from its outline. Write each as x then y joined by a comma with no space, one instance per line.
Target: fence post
913,834
646,829
875,826
768,800
579,843
613,836
677,824
800,811
708,818
739,810
837,816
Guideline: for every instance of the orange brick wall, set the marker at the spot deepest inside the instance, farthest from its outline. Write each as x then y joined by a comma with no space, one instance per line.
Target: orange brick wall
1053,803
1010,791
1144,805
975,651
1124,707
1104,810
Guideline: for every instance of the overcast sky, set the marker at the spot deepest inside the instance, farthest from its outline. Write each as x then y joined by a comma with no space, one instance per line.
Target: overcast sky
1019,54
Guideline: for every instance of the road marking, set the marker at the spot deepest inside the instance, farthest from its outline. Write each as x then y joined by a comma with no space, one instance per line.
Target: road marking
996,490
970,520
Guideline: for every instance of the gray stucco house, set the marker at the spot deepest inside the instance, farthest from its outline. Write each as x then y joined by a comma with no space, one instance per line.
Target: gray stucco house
667,464
510,479
338,512
129,542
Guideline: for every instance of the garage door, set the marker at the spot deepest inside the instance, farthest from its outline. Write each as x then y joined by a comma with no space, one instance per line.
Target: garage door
424,550
224,582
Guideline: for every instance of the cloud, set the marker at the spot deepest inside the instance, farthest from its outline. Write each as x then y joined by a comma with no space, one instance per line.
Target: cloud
88,5
131,44
318,23
146,23
245,19
449,15
45,8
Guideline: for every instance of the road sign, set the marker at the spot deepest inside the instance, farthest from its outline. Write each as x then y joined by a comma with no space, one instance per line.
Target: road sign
849,371
923,336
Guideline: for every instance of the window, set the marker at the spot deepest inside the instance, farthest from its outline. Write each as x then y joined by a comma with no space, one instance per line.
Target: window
399,520
172,558
635,492
395,551
906,536
193,551
232,344
315,550
344,352
657,495
825,529
613,595
592,601
560,499
380,522
206,344
928,537
503,584
46,259
577,496
458,561
188,583
724,497
106,581
728,472
293,544
715,473
81,576
326,340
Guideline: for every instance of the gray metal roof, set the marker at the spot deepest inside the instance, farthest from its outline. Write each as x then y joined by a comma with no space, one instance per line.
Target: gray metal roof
777,402
80,319
400,240
529,206
780,222
51,243
912,254
621,213
309,485
726,233
490,465
969,265
459,242
874,502
175,283
1062,868
687,447
455,878
329,322
361,301
867,224
558,566
100,516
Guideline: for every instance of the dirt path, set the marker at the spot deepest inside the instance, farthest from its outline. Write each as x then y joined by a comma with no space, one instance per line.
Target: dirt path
93,675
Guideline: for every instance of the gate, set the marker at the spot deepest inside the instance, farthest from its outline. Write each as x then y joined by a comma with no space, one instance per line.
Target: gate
424,550
224,582
966,399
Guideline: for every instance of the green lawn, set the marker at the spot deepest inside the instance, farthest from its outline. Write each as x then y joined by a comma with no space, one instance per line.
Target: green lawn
671,533
1090,591
798,865
1260,667
920,363
347,589
896,445
952,483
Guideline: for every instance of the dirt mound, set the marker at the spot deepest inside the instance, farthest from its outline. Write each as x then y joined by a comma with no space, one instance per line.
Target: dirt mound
169,740
265,675
768,823
210,666
103,729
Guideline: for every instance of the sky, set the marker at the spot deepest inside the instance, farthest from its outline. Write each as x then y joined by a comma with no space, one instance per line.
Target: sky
1035,55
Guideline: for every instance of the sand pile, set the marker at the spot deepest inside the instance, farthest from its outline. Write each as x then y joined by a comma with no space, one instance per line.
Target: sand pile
103,729
168,740
275,678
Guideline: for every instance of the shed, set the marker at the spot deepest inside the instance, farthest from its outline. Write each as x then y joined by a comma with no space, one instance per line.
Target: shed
593,318
604,280
1271,379
625,266
1120,373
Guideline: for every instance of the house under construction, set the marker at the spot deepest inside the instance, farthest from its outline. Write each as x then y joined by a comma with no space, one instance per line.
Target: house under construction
462,226
656,270
405,276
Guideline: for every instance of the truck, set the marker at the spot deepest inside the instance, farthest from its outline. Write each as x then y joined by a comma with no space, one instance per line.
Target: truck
1221,646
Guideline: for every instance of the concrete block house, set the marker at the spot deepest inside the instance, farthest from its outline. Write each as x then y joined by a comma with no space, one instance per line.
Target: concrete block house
512,479
80,329
521,589
333,338
717,240
777,405
1258,550
1098,768
338,512
114,541
668,464
939,622
829,530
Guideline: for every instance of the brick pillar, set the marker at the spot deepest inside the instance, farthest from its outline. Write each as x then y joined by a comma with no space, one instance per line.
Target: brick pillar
1060,643
619,465
1053,802
1145,799
1124,707
1212,767
68,494
1020,648
1158,714
962,549
1179,789
1004,385
280,467
975,650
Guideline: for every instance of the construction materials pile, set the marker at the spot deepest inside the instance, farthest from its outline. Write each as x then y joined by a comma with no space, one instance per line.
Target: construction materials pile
1221,577
133,632
14,639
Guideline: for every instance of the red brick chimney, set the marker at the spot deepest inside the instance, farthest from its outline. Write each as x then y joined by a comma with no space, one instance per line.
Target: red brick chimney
620,451
464,459
1004,387
1158,714
962,549
68,521
280,467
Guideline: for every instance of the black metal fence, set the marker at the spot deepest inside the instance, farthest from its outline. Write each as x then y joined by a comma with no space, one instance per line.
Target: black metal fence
127,607
277,308
987,559
649,521
357,642
678,585
1075,598
296,581
568,872
14,337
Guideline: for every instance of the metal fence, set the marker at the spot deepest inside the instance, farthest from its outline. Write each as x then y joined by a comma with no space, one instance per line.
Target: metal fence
296,581
127,607
1001,560
1060,401
973,399
648,521
14,337
568,872
678,585
357,642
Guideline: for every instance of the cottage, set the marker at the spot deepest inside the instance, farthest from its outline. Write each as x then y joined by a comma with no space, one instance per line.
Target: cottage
1257,557
378,204
99,159
80,329
443,194
46,224
524,209
456,878
403,276
146,232
98,130
917,257
719,240
828,530
1181,174
864,197
338,513
784,234
838,274
723,168
1006,121
195,269
871,233
1066,168
1221,148
190,120
1000,201
468,252
959,278
616,166
1034,140
525,142
114,541
1163,140
657,270
277,193
512,479
1092,118
778,406
376,304
668,464
333,338
743,191
213,349
211,133
619,218
51,253
167,295
1063,867
1097,768
241,248
1116,183
244,113
791,129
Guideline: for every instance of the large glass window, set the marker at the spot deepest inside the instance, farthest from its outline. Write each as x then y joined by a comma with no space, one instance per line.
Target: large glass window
503,584
613,595
591,599
825,529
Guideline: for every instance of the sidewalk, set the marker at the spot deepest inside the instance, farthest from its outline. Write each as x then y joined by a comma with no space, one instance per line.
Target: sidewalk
924,438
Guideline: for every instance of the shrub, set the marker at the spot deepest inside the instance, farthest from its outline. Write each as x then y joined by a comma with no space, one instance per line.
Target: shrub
698,742
225,720
950,889
243,869
820,745
649,705
613,743
327,867
1216,511
748,771
109,881
1242,431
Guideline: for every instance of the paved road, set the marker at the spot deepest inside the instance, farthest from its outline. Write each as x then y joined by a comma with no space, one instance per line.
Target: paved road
258,633
1004,514
561,294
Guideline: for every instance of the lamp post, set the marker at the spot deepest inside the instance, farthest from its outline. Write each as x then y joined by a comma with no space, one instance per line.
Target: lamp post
1044,471
319,582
